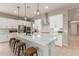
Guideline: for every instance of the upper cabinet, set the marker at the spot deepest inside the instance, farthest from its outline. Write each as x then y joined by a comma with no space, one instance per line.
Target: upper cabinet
12,23
3,22
25,23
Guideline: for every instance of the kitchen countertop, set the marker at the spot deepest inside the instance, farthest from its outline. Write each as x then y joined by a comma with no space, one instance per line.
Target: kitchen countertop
42,39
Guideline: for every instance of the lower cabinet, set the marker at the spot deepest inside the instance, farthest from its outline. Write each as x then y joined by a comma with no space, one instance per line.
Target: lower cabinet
59,40
5,35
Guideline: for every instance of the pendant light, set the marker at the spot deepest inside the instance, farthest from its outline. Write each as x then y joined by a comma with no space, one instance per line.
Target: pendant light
18,29
37,12
25,18
18,11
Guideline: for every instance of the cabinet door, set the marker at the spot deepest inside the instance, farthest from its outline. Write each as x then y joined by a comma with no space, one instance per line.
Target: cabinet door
12,23
3,35
58,41
3,23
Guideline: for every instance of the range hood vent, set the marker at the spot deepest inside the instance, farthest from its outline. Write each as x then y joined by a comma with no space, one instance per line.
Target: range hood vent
46,22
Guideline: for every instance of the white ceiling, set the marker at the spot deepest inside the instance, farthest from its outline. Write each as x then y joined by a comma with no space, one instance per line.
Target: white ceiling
11,8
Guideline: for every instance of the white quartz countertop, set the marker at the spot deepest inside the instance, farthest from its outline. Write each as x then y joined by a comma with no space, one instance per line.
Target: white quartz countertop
42,39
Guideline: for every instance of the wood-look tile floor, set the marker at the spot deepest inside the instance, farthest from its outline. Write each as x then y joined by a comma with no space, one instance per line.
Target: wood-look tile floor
5,49
71,50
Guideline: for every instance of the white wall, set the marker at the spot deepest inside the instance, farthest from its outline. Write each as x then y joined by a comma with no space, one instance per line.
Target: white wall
73,28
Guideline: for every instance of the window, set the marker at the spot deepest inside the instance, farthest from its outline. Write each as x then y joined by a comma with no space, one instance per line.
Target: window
56,21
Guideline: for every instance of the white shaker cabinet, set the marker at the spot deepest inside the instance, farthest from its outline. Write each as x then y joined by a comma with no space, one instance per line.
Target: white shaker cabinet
6,24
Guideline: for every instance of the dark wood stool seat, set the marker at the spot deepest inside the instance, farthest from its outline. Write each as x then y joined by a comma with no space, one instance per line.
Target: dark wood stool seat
31,51
20,47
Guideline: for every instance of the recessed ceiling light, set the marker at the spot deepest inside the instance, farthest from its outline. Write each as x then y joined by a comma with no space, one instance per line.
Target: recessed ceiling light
46,7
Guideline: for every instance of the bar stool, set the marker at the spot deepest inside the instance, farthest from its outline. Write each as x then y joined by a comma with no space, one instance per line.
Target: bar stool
20,47
31,51
14,42
11,41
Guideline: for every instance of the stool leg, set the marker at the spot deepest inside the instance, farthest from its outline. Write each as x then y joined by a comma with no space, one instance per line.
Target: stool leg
31,54
22,50
10,43
13,47
24,54
25,46
36,54
18,51
15,51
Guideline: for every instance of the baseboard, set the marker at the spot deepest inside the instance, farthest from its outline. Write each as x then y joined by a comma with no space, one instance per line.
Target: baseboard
65,45
4,42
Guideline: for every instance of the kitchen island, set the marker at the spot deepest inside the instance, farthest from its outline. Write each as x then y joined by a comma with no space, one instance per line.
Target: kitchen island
44,43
